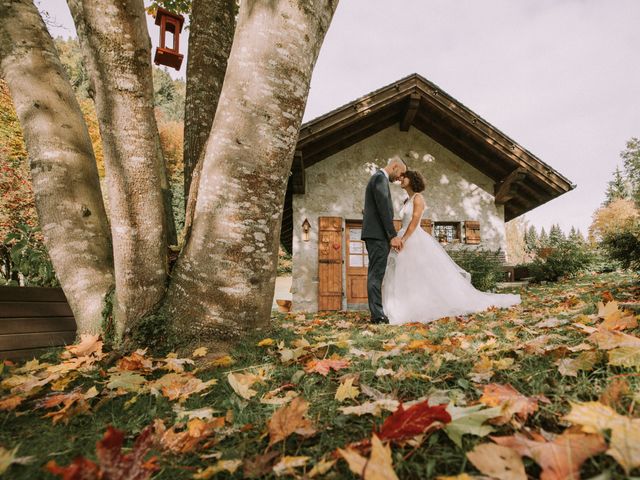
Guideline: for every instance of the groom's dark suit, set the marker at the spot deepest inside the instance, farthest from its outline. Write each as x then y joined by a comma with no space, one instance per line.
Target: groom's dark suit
377,232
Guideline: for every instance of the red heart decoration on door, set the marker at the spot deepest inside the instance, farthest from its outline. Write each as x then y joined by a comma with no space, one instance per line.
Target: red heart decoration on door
336,246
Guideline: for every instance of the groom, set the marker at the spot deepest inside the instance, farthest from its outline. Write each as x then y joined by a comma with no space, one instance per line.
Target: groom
378,232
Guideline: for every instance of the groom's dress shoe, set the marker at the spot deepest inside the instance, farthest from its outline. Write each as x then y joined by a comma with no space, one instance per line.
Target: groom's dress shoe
380,321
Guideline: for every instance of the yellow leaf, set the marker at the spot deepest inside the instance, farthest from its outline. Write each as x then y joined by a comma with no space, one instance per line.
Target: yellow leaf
624,445
287,464
221,361
320,468
378,467
346,390
242,382
625,357
266,342
222,465
570,366
497,461
199,352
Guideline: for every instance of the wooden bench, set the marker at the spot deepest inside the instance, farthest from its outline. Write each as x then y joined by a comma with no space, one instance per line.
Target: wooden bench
33,319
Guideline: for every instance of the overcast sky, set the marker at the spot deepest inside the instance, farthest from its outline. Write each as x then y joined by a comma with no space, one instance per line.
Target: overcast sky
560,77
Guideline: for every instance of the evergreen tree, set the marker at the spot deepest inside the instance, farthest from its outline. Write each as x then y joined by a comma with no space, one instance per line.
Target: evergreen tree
631,158
575,236
543,239
556,235
531,239
617,188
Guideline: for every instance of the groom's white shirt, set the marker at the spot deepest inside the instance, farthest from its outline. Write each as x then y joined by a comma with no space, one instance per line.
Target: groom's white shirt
385,173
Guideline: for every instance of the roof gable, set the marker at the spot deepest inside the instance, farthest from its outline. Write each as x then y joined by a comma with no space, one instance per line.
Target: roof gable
522,180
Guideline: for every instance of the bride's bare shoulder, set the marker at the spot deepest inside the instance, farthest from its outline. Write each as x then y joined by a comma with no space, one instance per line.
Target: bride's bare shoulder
418,200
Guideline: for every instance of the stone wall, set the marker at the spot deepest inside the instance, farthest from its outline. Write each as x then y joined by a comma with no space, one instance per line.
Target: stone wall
335,187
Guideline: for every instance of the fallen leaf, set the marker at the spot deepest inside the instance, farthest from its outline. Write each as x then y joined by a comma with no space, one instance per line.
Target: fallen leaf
551,323
290,419
223,361
374,408
346,390
497,461
11,402
126,381
583,362
561,458
625,357
175,364
8,458
135,361
259,465
199,352
266,342
320,468
610,339
378,466
221,466
323,367
287,464
179,386
618,388
89,344
242,382
624,445
181,438
416,420
510,400
112,463
469,420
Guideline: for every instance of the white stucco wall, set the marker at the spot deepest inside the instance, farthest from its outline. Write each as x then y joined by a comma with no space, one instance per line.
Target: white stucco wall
335,187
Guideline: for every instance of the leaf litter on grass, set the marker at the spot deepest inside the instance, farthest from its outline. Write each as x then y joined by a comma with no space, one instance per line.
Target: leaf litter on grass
331,395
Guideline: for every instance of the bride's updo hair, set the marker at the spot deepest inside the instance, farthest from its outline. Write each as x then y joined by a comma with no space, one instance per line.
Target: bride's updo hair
416,180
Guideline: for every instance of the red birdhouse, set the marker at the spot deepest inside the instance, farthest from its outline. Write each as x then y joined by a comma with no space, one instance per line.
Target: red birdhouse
172,23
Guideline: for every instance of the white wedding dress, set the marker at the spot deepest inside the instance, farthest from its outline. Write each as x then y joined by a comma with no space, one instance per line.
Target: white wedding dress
422,283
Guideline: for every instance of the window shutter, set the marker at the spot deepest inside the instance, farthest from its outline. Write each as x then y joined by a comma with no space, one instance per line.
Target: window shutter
472,232
329,263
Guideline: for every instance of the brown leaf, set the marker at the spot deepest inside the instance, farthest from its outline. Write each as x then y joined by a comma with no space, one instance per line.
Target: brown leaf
561,458
179,439
378,466
497,461
259,465
617,388
290,419
511,401
89,344
609,339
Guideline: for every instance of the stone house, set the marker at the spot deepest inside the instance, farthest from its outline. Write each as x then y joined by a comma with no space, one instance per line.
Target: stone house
477,179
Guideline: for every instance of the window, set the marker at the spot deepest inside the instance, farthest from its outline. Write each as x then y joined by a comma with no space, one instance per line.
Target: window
357,250
446,232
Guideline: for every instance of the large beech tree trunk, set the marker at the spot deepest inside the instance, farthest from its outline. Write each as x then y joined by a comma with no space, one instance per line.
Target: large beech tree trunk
224,280
117,49
211,27
63,167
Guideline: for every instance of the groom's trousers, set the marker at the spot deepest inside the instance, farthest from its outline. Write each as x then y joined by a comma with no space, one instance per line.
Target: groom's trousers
378,251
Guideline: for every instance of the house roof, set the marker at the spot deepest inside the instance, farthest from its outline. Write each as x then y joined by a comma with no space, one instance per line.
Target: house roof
522,181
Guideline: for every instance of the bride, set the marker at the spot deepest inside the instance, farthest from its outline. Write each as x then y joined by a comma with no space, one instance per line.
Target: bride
422,283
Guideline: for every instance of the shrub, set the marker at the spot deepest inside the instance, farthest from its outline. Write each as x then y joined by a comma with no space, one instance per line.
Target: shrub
483,265
25,260
566,258
623,245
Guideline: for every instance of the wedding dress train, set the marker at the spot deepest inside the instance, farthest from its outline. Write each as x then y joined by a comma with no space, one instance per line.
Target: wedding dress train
422,283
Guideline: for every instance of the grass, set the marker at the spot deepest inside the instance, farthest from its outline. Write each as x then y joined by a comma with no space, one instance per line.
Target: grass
443,367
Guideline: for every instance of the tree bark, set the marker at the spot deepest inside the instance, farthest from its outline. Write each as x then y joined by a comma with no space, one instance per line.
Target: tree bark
117,50
63,166
211,34
224,280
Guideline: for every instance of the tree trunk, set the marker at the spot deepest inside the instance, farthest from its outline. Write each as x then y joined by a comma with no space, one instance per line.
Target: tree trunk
117,50
211,34
224,280
63,167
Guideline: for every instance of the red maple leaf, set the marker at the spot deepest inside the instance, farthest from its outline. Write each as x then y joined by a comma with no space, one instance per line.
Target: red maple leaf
113,464
416,420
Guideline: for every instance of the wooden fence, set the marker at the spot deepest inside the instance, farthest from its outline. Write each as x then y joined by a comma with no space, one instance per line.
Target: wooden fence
32,319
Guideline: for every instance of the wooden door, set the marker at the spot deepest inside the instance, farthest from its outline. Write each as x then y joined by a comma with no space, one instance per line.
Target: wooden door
330,263
357,265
